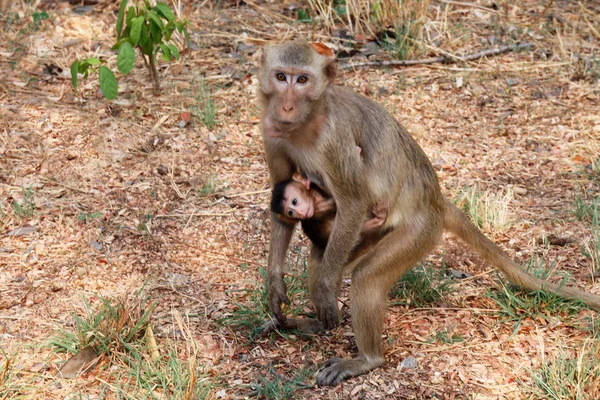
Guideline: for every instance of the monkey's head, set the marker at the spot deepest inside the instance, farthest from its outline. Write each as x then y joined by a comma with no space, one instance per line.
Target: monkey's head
293,78
292,199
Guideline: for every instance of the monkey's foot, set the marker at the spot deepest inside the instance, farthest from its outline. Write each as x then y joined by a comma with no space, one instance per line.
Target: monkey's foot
308,326
335,370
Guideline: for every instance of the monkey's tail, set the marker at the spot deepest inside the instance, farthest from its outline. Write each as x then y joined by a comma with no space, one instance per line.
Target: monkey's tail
458,223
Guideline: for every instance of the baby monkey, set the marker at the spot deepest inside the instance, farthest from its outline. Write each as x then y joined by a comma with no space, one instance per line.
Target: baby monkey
300,200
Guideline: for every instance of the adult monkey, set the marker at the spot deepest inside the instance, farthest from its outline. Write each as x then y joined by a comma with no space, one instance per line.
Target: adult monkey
308,124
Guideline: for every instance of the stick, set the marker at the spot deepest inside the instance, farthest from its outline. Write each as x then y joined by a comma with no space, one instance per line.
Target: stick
441,59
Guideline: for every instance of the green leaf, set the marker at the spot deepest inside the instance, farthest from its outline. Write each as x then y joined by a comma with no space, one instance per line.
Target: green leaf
126,58
153,17
145,43
83,66
174,51
136,29
155,32
108,83
74,72
93,61
165,11
130,15
120,17
166,52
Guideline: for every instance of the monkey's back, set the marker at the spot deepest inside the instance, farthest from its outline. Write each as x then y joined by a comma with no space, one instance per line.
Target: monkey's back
385,142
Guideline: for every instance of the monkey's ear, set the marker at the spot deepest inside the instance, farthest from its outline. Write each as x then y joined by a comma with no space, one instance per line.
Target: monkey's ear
330,69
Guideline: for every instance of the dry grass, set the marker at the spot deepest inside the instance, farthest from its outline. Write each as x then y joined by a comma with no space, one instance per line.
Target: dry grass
120,195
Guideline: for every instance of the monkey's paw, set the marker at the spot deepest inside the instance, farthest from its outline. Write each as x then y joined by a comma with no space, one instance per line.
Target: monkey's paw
277,297
335,370
328,314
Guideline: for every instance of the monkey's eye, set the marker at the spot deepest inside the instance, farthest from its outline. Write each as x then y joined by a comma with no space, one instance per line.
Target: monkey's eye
294,202
280,76
302,79
290,214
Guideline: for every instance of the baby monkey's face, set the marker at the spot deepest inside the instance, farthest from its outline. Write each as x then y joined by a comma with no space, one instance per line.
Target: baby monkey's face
297,201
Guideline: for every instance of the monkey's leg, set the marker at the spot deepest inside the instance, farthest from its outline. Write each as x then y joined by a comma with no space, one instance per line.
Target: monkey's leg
372,279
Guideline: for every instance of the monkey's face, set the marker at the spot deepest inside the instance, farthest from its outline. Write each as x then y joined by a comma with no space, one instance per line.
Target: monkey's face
293,78
297,201
290,103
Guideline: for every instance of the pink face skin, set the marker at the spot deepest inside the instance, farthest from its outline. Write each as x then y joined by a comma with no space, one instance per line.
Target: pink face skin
298,203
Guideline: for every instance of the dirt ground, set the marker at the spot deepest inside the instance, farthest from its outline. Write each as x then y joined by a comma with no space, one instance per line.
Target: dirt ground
126,197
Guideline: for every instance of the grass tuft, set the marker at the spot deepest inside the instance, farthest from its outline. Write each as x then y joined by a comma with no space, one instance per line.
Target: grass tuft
251,314
206,109
421,286
120,333
591,248
571,374
26,207
516,305
488,211
281,387
399,24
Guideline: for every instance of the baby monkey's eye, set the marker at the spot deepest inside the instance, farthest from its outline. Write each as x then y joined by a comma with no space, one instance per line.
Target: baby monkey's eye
302,79
294,202
280,76
290,213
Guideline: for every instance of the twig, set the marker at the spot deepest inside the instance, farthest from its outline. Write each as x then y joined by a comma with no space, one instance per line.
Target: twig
479,7
441,59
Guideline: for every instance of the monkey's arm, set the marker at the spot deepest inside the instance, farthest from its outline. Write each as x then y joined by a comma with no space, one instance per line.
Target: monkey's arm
379,215
346,181
280,168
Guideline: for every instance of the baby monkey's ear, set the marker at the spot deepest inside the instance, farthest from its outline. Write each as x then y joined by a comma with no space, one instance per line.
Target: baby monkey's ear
298,177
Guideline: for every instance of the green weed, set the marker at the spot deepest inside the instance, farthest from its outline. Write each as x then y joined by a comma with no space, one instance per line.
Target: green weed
444,336
421,286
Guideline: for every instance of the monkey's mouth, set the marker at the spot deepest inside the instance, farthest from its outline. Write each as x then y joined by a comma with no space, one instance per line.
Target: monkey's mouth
285,125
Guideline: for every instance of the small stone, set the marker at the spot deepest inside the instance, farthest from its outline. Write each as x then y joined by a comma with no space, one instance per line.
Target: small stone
409,362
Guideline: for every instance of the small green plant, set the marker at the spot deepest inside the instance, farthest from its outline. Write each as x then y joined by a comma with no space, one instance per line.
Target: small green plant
208,186
516,305
87,217
582,209
26,207
444,336
488,211
145,27
572,374
421,286
37,19
206,109
281,387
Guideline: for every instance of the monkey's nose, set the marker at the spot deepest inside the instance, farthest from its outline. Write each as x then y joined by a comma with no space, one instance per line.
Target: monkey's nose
288,108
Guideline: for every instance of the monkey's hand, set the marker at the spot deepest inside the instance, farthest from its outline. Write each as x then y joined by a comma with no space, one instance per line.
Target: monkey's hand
326,305
277,297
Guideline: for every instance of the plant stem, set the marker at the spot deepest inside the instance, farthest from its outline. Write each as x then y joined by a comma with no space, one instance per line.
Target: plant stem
151,65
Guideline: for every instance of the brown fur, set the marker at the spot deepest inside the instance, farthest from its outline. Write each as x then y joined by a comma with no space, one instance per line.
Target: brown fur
323,128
